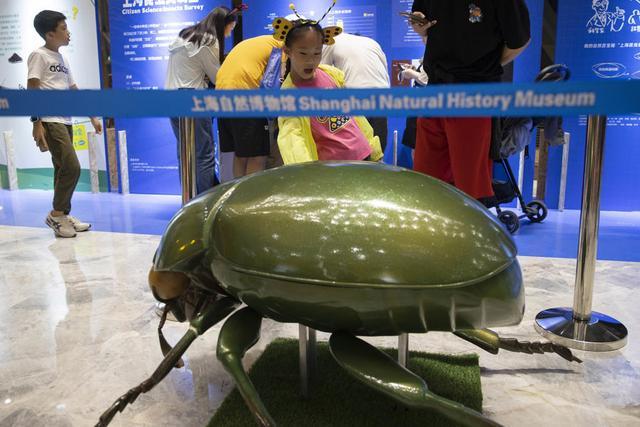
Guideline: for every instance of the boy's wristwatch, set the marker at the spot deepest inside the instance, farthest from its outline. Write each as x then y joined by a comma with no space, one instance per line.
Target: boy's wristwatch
34,119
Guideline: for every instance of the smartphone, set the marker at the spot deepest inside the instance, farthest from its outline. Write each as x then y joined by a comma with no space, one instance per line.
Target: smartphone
414,19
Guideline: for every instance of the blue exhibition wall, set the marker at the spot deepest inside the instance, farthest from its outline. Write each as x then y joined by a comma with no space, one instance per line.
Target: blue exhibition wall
600,40
141,32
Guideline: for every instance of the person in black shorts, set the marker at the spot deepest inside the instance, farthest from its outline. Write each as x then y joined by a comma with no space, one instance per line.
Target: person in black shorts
248,138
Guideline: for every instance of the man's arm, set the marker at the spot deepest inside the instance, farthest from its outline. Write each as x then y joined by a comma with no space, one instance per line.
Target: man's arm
515,26
508,55
95,122
38,129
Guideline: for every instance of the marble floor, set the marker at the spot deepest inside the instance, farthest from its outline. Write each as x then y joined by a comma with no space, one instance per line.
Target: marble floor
78,329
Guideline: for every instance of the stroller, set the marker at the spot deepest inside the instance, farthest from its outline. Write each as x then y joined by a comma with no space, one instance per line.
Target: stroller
511,135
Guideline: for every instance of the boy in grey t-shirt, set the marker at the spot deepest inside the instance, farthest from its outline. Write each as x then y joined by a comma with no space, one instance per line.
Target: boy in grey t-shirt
49,70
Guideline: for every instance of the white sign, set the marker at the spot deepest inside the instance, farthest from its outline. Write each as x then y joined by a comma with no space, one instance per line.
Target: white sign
18,39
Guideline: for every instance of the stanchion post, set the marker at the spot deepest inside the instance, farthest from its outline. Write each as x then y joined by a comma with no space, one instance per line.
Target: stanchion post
582,328
187,158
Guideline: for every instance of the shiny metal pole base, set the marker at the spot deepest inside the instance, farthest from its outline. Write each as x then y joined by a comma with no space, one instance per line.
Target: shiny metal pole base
600,333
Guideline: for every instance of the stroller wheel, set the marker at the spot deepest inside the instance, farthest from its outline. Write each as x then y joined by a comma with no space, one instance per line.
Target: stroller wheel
536,211
510,221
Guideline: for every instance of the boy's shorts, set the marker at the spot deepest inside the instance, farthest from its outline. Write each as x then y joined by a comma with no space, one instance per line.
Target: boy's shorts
246,137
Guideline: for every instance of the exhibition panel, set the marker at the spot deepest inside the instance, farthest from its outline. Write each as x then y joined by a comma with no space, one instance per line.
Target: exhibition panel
140,38
17,40
600,41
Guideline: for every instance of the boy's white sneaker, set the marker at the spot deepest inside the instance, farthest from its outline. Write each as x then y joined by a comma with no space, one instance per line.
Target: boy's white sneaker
60,225
77,224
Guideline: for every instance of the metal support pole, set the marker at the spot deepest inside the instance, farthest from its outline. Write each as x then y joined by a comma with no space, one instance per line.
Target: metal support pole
395,148
403,339
308,357
582,328
187,158
403,349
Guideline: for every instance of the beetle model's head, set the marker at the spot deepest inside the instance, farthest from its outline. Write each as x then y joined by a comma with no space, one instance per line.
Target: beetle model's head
180,276
181,296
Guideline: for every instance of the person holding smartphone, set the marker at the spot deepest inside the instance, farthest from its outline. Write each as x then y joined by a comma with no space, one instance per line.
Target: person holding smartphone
466,42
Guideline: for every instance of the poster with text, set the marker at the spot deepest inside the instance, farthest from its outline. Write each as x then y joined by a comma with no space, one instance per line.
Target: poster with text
600,40
141,32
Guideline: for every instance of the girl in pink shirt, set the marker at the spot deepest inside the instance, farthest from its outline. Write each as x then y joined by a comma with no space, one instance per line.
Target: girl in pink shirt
324,137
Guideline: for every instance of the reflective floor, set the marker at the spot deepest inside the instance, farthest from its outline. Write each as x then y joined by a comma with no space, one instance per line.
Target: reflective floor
556,237
78,329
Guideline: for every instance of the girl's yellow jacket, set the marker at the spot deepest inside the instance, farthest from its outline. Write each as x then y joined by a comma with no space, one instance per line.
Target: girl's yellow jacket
295,139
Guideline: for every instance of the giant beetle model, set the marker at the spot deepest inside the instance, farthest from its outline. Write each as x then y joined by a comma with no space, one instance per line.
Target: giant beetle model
353,248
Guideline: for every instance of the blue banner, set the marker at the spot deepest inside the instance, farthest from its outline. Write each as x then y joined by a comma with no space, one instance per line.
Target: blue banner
542,99
600,42
141,32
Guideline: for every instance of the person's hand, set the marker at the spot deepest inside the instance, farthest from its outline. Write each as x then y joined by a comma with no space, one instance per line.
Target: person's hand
39,138
97,125
420,26
408,74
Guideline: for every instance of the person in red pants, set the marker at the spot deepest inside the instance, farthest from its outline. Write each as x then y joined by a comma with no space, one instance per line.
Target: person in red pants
466,42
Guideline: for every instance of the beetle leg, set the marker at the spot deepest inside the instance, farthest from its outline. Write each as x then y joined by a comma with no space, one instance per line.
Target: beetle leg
380,372
490,341
238,334
211,315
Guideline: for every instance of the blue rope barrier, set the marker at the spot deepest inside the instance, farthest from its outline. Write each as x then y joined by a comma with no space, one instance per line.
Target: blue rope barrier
533,99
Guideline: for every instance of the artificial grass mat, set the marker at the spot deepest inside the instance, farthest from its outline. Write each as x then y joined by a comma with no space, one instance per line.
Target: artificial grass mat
337,399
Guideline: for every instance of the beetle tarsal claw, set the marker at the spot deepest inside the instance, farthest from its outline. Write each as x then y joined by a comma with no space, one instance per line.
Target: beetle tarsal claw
120,404
512,344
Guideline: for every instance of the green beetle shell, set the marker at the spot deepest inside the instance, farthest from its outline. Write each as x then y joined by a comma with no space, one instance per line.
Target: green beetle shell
358,246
